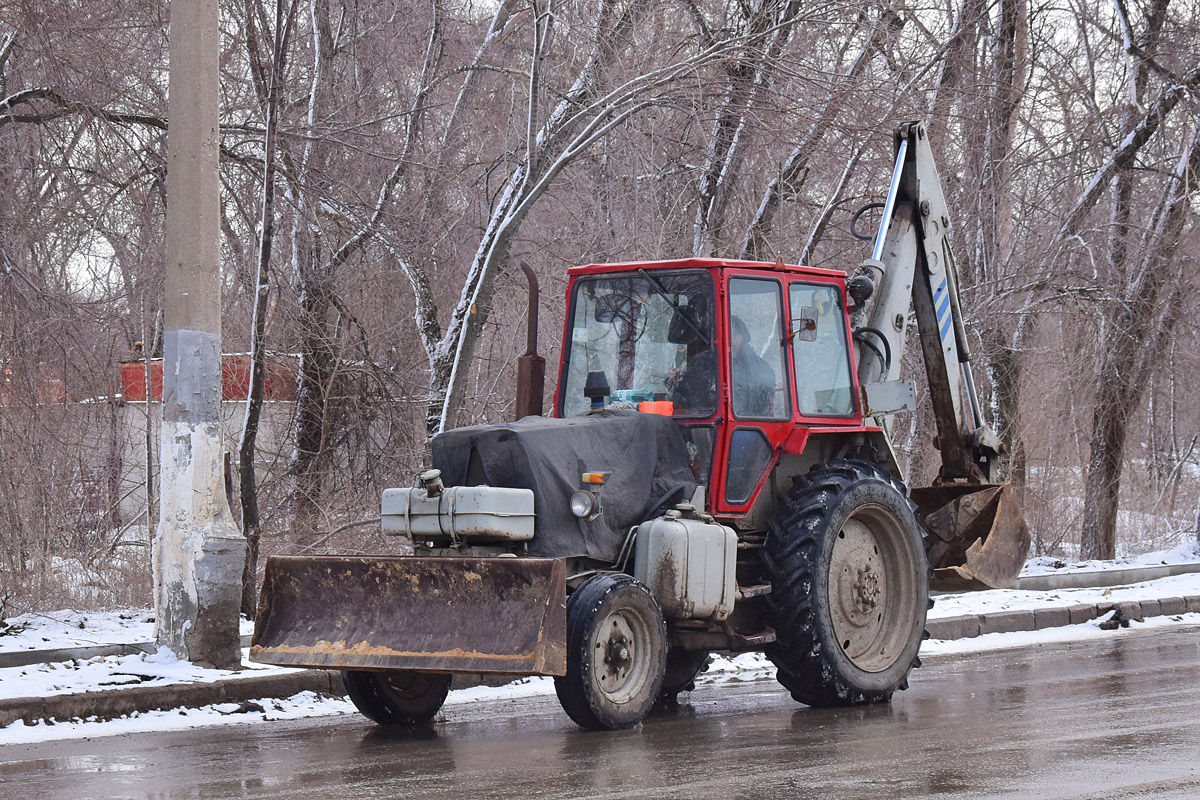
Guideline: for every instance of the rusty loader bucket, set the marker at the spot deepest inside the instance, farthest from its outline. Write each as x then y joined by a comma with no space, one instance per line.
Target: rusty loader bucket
977,535
493,615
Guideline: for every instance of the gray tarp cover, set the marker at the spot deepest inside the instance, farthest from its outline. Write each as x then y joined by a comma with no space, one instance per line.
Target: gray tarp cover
645,453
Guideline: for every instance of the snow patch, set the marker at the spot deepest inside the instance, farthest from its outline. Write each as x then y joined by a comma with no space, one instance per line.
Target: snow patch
58,630
1071,633
304,705
1186,553
115,673
994,600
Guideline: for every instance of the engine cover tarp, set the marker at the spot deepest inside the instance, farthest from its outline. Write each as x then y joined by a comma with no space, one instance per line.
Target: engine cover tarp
645,454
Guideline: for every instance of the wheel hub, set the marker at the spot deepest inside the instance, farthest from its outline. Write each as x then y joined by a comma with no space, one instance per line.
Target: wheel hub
869,606
866,589
617,656
616,651
858,581
858,591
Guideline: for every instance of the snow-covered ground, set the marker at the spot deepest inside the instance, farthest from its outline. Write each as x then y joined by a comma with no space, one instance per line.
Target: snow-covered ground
301,706
55,630
113,672
993,600
62,629
73,629
1186,553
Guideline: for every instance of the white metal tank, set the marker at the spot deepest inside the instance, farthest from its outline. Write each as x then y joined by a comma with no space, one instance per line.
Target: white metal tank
688,563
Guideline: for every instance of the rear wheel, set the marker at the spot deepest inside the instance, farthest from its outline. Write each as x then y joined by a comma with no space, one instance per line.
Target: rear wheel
397,697
850,587
683,666
616,653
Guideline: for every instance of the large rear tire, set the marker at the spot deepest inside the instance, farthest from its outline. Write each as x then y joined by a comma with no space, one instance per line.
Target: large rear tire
616,653
397,697
683,667
850,587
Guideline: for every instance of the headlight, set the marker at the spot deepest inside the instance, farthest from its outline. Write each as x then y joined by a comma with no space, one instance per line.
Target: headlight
583,504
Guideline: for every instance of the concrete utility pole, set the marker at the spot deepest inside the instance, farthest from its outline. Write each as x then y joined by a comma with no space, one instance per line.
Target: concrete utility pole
198,552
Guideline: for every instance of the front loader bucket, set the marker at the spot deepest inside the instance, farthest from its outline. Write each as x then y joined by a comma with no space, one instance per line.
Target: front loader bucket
977,535
496,615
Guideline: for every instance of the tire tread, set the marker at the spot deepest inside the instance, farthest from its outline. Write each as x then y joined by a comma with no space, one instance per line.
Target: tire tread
792,561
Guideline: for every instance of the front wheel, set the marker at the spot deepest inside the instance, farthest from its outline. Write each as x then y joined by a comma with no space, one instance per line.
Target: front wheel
616,653
397,697
850,587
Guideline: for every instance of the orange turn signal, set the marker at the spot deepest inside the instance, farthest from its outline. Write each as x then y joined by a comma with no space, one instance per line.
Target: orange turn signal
664,407
596,478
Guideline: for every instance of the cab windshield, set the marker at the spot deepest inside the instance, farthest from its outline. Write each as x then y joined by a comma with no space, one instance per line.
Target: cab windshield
651,334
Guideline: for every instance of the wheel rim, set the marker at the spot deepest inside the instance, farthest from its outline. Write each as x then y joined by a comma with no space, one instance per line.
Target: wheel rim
620,649
871,602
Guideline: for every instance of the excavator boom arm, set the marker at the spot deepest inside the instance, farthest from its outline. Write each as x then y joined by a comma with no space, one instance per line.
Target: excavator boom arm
977,525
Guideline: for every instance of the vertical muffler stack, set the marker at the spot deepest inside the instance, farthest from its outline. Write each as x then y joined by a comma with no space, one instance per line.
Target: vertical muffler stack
531,368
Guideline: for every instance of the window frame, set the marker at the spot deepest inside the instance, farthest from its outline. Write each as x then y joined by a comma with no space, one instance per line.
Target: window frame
848,343
786,367
577,282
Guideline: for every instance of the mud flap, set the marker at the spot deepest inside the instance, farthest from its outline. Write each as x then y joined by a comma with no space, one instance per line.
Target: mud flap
492,615
977,535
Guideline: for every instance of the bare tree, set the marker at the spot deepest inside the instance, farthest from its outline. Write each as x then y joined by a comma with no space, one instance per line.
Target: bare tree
269,77
1143,322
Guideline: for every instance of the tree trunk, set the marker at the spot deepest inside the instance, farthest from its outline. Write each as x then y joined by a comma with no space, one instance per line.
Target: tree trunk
1144,323
318,364
1196,524
251,522
314,282
1102,490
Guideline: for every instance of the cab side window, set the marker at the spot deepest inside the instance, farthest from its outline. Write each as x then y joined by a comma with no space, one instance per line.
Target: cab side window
822,359
757,365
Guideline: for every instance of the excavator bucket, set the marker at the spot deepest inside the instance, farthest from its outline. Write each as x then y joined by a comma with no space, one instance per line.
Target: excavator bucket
977,535
492,615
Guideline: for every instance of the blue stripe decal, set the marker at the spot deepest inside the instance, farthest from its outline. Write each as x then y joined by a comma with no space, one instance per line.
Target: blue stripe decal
943,304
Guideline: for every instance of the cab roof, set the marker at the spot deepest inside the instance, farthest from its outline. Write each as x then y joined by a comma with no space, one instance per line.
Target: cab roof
704,263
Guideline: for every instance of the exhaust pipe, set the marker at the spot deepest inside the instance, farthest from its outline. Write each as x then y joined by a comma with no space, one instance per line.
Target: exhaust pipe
531,368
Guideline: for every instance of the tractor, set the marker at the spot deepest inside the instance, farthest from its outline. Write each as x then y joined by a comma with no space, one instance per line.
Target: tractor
716,476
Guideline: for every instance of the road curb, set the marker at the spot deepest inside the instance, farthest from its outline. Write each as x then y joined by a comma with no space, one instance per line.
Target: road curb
968,626
1091,579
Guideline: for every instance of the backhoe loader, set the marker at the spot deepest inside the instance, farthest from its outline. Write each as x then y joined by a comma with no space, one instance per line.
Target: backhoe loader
717,475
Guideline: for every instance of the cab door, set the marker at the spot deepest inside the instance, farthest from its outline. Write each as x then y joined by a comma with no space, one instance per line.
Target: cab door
756,380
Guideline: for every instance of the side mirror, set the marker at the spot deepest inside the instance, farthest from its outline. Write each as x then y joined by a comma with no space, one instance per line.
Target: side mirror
685,321
806,329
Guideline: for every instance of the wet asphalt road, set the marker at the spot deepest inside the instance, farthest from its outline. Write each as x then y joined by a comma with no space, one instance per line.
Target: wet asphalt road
1118,718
